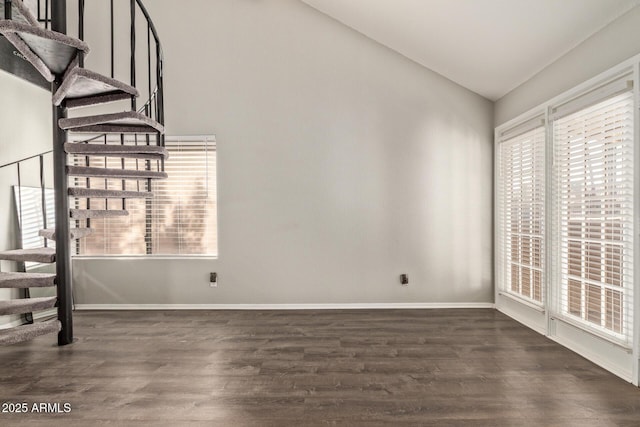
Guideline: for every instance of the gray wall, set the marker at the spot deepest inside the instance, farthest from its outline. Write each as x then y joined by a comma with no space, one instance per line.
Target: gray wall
615,43
341,165
25,130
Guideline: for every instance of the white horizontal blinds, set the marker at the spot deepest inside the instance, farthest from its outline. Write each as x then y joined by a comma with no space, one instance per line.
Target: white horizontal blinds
184,207
180,218
521,212
117,235
594,196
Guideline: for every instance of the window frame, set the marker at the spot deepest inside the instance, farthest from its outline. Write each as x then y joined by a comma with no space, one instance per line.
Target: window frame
211,139
609,354
531,124
560,300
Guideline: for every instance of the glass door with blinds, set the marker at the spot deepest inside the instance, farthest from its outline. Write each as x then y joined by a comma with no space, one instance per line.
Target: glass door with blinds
521,210
593,171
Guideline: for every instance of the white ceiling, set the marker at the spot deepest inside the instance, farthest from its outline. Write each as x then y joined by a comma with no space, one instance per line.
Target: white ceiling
487,46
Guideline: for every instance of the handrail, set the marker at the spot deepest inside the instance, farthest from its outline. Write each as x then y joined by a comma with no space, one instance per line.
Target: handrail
153,106
144,11
26,158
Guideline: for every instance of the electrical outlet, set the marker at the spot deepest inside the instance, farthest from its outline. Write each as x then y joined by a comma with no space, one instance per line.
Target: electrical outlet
213,280
404,279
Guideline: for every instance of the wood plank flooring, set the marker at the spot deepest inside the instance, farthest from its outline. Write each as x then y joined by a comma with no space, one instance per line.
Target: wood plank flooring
297,368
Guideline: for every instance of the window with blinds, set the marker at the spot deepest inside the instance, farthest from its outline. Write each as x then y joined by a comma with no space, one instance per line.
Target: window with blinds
31,216
521,187
180,218
593,170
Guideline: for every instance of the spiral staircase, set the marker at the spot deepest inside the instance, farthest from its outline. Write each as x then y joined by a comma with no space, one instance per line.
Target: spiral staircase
59,59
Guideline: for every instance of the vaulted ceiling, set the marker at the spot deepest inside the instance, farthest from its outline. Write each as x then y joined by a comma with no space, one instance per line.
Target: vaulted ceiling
487,46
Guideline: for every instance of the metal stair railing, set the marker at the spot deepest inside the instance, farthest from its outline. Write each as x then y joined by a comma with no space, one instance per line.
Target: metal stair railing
53,15
151,55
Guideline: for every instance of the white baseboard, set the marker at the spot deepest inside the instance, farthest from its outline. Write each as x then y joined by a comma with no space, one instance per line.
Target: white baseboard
52,312
12,324
594,357
36,316
346,306
520,319
572,345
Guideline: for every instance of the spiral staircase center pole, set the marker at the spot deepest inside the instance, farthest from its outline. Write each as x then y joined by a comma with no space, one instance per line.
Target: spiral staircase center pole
63,245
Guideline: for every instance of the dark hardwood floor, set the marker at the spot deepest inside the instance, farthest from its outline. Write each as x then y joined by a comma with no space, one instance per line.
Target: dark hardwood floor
297,368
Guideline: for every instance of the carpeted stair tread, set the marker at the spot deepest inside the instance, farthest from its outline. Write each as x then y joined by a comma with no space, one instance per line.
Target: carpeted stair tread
96,213
20,13
43,255
116,129
75,233
152,152
95,193
125,122
28,332
82,83
114,173
27,54
56,51
27,280
26,305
